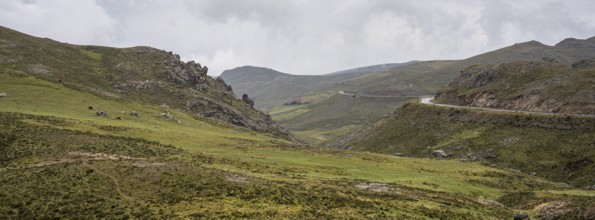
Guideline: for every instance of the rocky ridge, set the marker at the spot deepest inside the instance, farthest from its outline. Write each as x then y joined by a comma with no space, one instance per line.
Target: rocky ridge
546,86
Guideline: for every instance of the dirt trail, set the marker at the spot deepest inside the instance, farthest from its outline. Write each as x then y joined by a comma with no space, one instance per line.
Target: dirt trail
84,157
114,180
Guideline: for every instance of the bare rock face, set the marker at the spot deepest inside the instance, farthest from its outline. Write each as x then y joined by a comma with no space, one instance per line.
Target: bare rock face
475,76
189,73
547,86
160,77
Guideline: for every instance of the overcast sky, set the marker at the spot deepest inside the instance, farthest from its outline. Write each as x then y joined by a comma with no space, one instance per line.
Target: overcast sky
304,36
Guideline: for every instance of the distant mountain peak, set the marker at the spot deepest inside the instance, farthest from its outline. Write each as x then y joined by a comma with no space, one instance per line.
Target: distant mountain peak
252,71
571,42
531,43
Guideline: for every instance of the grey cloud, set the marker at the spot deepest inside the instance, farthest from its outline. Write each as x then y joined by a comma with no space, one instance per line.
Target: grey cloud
304,36
64,20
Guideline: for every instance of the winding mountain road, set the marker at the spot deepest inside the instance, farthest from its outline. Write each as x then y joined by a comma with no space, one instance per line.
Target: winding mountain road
379,96
428,101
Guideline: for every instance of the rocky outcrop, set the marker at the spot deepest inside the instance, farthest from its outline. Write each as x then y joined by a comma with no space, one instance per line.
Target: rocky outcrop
374,187
248,100
521,216
162,78
546,86
440,154
140,74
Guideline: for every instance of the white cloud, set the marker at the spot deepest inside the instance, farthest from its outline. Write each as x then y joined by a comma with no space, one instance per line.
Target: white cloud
304,36
82,22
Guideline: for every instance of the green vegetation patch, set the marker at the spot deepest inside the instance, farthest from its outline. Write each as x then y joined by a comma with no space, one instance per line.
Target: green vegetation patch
556,148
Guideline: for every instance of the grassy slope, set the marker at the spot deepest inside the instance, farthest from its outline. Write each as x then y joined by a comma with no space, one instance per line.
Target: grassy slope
195,160
334,116
556,148
270,88
138,74
331,115
420,78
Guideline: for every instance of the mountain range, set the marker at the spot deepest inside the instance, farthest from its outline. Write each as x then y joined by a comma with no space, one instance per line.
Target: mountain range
379,93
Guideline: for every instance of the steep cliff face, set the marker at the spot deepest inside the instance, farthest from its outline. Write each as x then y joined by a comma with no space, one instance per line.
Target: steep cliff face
546,86
140,74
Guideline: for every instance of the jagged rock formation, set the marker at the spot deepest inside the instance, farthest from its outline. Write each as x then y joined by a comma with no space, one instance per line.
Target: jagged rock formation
142,74
547,86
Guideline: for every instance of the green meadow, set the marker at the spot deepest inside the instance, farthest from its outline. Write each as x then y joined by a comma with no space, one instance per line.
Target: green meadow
187,166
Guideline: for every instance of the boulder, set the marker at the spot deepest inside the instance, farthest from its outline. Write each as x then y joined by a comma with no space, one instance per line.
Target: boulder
374,187
440,154
167,115
248,100
3,94
101,114
521,216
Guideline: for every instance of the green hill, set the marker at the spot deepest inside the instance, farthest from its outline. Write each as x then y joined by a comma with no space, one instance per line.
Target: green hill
556,147
526,86
334,116
61,159
272,89
140,74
